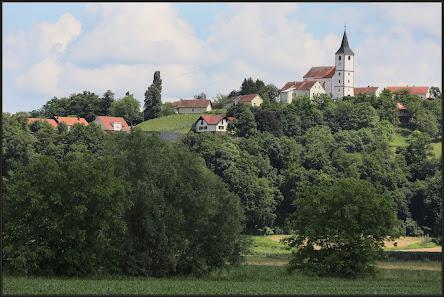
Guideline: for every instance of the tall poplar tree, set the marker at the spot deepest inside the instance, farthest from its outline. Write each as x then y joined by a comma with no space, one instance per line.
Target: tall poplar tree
153,101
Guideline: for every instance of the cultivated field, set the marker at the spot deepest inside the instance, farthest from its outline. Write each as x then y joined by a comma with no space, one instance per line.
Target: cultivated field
263,272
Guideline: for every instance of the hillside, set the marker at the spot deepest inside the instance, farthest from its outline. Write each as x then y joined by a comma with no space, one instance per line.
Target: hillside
400,141
180,123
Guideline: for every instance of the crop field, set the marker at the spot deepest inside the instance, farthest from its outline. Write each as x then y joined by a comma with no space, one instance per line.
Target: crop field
263,272
180,123
246,279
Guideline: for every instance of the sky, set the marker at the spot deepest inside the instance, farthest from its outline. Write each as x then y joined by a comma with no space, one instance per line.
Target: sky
57,49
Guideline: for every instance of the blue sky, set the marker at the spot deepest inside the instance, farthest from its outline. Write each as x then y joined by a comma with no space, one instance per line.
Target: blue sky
56,49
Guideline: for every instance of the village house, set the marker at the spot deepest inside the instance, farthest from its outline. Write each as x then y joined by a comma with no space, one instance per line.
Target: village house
70,121
294,89
250,99
368,90
403,113
112,124
192,106
52,122
212,123
421,91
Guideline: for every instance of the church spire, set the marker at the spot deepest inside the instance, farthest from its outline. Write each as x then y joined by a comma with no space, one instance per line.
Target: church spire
345,48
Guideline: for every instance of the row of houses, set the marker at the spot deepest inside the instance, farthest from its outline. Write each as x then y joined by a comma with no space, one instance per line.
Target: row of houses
107,123
295,89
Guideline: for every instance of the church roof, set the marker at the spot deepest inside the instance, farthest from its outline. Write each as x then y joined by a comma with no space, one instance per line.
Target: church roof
345,48
321,72
298,85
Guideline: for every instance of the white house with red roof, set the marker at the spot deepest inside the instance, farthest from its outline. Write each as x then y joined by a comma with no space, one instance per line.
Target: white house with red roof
295,89
212,123
338,80
112,124
249,99
192,106
368,90
420,91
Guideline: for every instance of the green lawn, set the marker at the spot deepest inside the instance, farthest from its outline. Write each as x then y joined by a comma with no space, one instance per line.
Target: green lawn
401,141
180,123
267,246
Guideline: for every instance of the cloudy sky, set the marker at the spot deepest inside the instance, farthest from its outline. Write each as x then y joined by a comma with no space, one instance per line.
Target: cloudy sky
56,49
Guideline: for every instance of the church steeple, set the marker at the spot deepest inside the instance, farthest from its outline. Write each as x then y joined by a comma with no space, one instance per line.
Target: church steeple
345,48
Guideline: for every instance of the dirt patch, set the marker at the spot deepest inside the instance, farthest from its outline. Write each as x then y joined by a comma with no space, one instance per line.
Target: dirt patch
402,242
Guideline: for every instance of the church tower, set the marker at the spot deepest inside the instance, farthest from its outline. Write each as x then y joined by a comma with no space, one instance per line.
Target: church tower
344,78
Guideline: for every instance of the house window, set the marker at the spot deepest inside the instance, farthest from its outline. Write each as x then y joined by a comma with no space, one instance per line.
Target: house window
201,122
221,127
339,58
192,109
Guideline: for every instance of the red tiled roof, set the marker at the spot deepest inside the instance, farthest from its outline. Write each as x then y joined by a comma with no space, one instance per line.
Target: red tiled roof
365,90
52,122
400,106
247,98
321,72
71,120
243,98
212,119
299,85
421,90
199,103
107,122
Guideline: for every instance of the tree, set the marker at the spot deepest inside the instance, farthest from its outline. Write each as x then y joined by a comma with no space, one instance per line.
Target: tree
435,92
64,217
348,220
153,100
105,103
167,109
176,224
220,101
244,125
127,107
200,96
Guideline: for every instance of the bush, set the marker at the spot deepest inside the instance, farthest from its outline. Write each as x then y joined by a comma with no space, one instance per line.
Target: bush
348,221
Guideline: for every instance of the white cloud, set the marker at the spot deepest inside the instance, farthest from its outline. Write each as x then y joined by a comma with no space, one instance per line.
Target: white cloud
118,46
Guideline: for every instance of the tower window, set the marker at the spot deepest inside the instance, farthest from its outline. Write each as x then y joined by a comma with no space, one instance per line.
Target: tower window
339,73
339,81
348,80
349,58
339,57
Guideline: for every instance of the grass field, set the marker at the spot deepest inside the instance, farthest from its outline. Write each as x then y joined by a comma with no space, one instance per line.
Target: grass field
180,123
400,140
246,279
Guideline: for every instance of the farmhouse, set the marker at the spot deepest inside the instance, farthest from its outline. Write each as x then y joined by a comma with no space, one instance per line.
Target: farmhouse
112,124
367,90
421,91
70,121
192,106
212,123
294,89
52,122
250,99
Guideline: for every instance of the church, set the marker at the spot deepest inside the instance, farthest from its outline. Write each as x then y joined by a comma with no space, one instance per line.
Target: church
337,81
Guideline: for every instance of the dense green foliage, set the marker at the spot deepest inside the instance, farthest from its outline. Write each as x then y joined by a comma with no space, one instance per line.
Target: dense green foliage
83,202
127,107
153,101
339,227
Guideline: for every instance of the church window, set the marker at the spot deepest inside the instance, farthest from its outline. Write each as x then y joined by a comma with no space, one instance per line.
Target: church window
348,80
339,57
339,81
349,58
339,73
